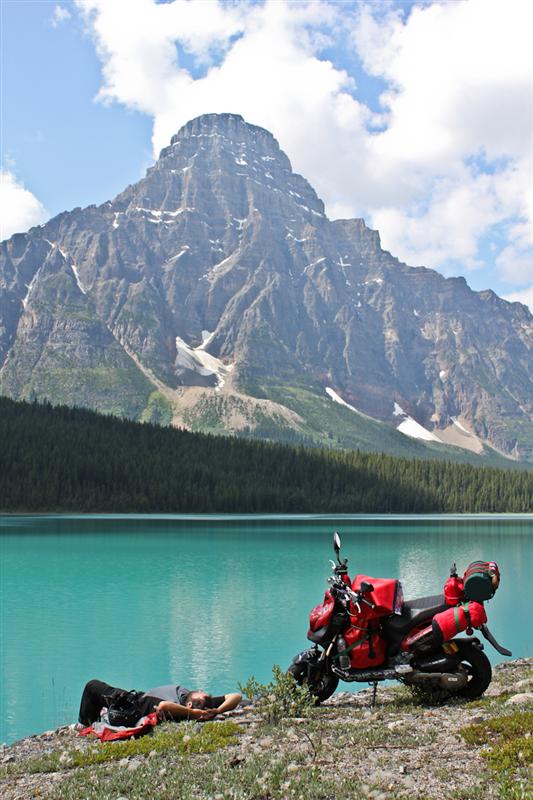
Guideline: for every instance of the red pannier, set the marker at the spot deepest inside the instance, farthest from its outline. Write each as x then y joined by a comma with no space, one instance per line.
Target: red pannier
320,615
387,595
364,639
449,623
365,642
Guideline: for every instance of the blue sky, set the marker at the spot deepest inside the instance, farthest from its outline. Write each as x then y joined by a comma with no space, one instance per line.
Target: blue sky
416,116
69,150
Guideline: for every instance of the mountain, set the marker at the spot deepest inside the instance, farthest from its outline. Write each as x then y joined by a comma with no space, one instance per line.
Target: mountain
215,294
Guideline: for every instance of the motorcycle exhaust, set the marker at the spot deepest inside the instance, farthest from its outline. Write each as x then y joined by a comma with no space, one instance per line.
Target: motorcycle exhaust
444,680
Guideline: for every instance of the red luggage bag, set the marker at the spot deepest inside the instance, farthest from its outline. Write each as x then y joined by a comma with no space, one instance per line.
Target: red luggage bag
449,623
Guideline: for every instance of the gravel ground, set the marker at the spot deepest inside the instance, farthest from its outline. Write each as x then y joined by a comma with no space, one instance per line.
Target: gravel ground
401,748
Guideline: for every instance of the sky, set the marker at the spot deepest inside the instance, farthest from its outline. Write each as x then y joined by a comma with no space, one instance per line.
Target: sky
416,116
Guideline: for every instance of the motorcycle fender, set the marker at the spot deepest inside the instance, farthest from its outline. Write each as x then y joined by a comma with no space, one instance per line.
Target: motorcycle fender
319,636
409,641
437,663
306,662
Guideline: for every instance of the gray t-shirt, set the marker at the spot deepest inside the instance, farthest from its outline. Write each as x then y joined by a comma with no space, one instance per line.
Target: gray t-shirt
176,694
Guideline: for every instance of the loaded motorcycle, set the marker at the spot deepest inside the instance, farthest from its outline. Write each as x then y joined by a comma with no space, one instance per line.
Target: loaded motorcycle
364,631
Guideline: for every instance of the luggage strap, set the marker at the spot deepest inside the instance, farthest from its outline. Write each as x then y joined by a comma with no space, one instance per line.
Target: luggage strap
371,651
352,646
457,620
466,612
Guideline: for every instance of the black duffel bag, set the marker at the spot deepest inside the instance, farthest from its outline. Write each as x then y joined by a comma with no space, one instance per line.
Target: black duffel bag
126,709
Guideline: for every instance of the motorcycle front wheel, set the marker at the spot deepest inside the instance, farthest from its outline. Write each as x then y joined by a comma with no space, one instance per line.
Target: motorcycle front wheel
320,682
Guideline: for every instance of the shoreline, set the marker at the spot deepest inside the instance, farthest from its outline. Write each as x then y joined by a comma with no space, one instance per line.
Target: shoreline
214,516
401,748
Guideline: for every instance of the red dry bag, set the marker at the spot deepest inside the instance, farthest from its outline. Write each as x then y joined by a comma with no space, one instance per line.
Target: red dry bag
365,643
449,623
386,596
454,590
319,616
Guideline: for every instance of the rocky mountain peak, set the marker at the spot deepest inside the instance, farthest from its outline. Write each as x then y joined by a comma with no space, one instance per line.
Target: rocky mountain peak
227,148
230,126
219,271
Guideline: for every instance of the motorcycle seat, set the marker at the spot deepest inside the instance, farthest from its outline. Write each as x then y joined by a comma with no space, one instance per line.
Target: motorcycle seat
414,613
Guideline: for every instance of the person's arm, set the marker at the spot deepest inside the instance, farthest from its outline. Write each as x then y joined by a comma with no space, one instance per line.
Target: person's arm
231,701
166,708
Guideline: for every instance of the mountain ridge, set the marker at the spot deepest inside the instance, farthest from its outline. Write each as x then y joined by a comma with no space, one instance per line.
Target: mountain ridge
217,280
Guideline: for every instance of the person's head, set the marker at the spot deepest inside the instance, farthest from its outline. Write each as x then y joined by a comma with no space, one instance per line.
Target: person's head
198,699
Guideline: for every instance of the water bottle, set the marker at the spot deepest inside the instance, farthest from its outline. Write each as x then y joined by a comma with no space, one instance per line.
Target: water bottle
344,658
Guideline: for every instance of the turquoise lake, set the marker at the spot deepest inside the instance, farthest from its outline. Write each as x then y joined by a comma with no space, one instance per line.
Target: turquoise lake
207,601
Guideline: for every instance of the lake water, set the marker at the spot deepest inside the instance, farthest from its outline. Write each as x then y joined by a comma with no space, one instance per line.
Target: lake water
207,601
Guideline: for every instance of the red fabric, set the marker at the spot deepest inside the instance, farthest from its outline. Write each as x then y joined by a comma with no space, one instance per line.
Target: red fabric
382,597
360,655
454,590
109,734
320,615
490,567
454,620
414,635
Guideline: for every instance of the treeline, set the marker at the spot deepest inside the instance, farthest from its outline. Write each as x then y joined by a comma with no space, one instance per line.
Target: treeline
63,459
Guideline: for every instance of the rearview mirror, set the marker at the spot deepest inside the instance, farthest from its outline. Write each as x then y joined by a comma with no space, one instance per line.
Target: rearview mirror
337,544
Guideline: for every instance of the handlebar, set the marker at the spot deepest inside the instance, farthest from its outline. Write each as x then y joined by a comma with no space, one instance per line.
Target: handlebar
339,587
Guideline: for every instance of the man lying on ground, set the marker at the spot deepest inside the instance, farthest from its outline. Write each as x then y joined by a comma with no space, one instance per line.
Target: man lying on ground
169,702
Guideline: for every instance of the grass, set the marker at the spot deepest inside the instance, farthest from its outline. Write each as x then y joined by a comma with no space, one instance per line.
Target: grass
487,702
221,777
508,726
159,410
182,740
510,738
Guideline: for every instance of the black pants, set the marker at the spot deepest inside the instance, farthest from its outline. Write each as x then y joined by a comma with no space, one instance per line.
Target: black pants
98,694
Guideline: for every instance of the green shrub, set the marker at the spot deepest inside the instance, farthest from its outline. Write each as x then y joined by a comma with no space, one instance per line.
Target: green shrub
511,739
280,698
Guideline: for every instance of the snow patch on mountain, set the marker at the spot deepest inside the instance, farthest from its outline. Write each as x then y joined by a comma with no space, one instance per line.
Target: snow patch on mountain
461,427
198,360
338,399
410,427
78,281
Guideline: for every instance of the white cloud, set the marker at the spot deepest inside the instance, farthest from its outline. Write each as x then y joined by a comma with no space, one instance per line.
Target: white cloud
516,264
525,296
60,15
452,156
459,116
19,208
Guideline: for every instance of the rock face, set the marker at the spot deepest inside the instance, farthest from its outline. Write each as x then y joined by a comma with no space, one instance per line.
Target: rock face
220,271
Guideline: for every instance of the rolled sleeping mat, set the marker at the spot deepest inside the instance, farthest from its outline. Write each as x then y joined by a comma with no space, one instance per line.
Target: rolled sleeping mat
449,623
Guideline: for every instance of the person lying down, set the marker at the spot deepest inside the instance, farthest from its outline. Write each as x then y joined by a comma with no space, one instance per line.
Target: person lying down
173,702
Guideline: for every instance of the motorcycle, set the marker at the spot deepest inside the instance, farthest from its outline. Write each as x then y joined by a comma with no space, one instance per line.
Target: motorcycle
365,632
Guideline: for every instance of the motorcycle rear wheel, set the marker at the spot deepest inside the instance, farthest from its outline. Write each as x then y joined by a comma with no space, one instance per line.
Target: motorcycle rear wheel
320,687
470,660
477,666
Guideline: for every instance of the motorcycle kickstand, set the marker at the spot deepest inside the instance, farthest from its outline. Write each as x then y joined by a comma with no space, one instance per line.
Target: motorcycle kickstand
374,693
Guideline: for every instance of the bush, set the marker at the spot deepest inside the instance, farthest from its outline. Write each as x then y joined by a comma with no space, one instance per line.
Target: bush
280,698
